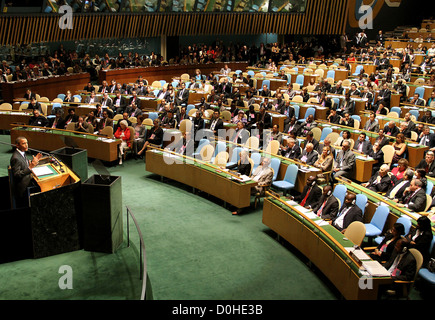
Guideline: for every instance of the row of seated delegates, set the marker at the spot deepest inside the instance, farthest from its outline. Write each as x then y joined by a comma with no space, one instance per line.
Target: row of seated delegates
324,204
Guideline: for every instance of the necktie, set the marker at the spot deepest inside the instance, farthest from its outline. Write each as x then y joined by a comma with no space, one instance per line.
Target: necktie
306,196
319,212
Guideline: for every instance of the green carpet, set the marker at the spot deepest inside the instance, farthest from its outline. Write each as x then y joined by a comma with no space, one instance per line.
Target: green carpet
195,250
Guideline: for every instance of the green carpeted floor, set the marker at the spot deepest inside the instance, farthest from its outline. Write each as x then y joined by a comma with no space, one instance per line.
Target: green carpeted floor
196,250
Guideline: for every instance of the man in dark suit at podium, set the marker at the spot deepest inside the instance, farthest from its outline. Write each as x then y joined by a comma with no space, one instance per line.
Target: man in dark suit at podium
21,171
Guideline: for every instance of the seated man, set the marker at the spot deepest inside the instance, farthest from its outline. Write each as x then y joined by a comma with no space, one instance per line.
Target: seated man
415,197
347,121
309,155
292,151
240,134
396,191
263,175
391,129
416,100
34,105
428,164
308,125
363,145
345,161
349,213
372,124
168,120
334,117
310,195
327,207
380,181
81,125
37,119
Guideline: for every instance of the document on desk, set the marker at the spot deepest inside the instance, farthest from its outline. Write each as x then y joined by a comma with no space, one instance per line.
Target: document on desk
321,222
375,269
41,171
359,253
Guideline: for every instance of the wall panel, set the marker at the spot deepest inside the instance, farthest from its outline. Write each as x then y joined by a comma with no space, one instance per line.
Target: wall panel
322,17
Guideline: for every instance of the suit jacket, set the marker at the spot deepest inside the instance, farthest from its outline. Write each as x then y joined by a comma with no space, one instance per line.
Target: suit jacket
430,170
353,214
407,266
310,157
334,119
122,102
313,197
372,126
430,141
242,168
219,125
330,209
366,146
106,103
386,96
265,119
155,136
104,123
181,97
292,153
292,127
185,147
165,96
382,186
240,136
399,192
415,201
21,173
39,121
391,131
348,160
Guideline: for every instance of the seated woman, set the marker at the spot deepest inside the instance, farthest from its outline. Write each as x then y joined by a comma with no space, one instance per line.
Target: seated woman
384,250
240,117
399,171
139,138
154,136
420,237
123,133
344,137
325,161
399,148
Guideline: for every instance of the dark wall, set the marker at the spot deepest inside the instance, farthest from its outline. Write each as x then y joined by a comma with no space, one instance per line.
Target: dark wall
409,13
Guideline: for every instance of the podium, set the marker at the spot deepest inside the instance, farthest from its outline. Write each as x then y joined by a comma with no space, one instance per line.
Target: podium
102,213
75,159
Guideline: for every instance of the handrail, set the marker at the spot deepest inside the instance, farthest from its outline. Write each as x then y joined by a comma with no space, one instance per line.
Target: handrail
142,253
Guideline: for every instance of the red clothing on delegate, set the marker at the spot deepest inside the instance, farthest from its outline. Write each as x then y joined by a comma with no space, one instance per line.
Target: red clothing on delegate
126,137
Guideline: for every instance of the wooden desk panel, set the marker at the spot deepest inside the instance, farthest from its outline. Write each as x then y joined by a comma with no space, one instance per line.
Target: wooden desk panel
319,252
49,87
47,141
232,192
166,73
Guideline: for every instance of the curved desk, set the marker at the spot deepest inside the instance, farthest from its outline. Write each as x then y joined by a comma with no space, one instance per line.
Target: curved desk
48,139
324,246
200,175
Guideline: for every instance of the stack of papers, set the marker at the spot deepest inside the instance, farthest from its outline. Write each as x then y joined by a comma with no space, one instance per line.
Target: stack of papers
359,253
375,269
